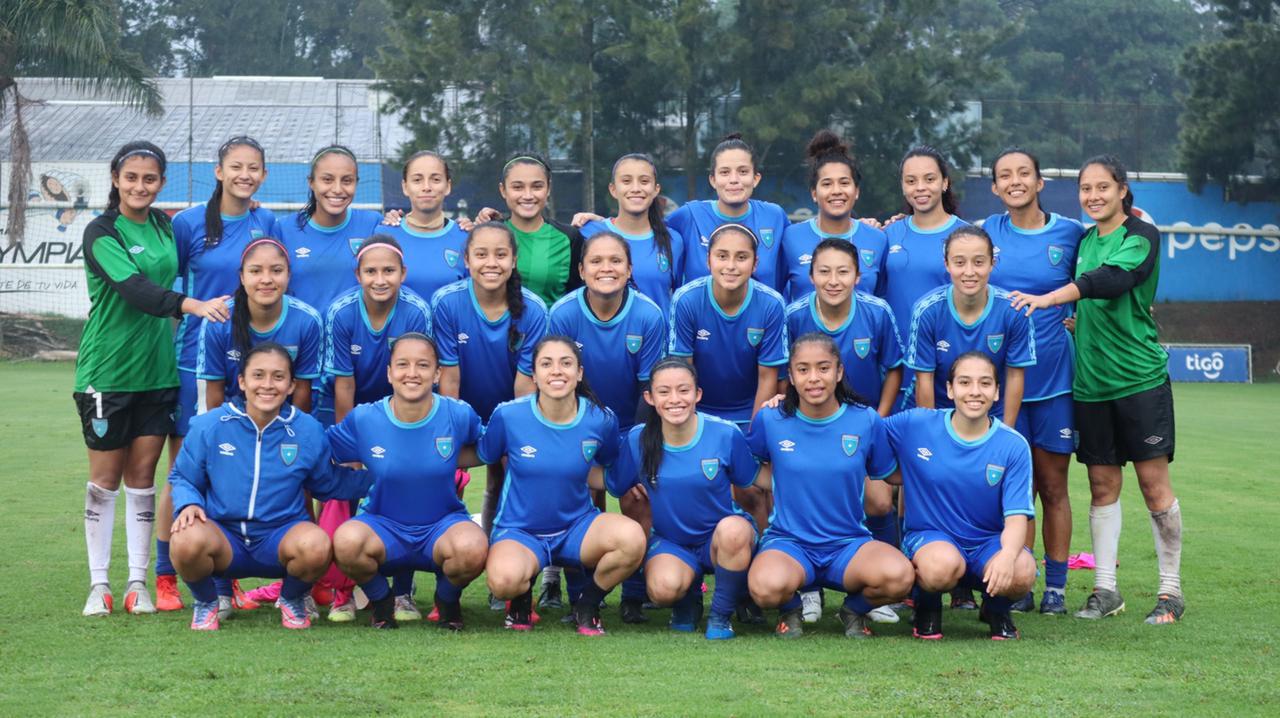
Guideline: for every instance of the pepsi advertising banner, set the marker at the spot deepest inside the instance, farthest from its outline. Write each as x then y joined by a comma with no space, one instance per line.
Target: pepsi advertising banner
1210,363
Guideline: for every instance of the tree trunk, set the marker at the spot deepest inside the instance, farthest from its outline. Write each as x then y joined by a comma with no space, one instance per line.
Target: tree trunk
19,172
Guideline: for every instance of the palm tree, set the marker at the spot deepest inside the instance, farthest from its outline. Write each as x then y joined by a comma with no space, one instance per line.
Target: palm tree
73,39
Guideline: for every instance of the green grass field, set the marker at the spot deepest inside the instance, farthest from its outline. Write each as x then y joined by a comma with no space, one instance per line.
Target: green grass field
1221,660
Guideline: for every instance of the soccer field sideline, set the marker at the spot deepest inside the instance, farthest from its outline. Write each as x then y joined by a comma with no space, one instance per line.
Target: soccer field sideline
1220,660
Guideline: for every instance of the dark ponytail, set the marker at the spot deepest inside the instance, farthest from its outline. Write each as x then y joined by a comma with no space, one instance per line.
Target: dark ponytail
213,208
1112,165
948,195
515,292
651,442
826,148
733,141
844,392
583,388
304,214
141,148
656,216
241,336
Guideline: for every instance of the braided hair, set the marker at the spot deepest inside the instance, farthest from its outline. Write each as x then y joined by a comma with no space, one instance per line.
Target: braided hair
213,208
515,291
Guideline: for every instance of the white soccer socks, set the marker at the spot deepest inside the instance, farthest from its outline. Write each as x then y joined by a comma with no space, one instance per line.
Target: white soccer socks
99,522
139,518
1166,528
1104,526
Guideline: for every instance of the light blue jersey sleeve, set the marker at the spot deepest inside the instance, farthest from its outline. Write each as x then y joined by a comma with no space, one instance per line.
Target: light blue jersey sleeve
307,364
211,351
1021,351
446,330
683,322
607,454
743,467
775,346
1015,494
922,346
493,443
881,460
534,327
328,480
338,361
625,471
890,341
344,437
652,349
758,438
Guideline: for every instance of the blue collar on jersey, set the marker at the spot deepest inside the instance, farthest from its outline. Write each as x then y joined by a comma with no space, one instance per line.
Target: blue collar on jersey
617,318
711,295
821,422
475,304
1052,220
853,229
608,223
817,318
233,217
236,410
715,209
391,414
697,435
444,229
284,312
582,410
951,430
911,224
346,219
951,306
364,313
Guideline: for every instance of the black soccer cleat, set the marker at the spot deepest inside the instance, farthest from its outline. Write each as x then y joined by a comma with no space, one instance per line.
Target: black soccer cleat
384,613
927,625
632,610
1002,628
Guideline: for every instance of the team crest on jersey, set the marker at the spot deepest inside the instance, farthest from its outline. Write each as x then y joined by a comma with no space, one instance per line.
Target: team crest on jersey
766,238
868,257
994,474
849,442
589,447
444,446
99,427
633,342
710,467
354,243
754,336
664,264
288,452
293,351
862,347
1055,254
256,234
995,341
451,257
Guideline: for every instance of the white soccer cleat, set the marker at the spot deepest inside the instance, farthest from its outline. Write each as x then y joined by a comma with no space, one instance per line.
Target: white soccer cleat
226,608
100,601
407,609
883,614
313,612
137,600
811,606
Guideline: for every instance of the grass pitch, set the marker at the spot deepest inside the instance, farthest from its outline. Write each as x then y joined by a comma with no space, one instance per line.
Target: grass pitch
1221,660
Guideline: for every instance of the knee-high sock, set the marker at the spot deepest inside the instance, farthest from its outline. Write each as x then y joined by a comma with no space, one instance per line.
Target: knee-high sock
164,567
1055,574
446,590
1166,527
376,588
633,588
884,528
402,583
99,523
731,586
139,520
1104,525
293,588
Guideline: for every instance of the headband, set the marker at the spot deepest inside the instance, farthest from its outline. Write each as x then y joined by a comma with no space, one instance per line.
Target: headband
374,245
140,152
525,158
739,227
264,240
333,149
239,140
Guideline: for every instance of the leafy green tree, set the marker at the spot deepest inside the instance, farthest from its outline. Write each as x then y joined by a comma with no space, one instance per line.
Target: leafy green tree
76,39
1229,125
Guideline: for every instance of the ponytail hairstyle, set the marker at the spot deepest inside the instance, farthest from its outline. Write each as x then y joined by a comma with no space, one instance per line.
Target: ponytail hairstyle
241,338
141,148
582,389
844,392
1035,164
448,173
732,141
413,337
1112,165
838,244
656,213
515,293
526,158
975,354
266,348
826,148
213,208
948,195
968,230
304,214
651,443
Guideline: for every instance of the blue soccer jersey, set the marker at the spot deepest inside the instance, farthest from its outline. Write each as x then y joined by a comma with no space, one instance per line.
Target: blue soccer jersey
352,347
819,466
413,464
655,275
693,490
208,272
962,488
1038,261
915,265
323,259
695,221
547,464
728,350
299,329
618,354
433,259
869,341
938,336
801,238
479,347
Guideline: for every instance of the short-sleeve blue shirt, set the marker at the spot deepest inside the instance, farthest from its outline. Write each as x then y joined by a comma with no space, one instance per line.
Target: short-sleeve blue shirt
322,260
654,275
915,265
695,221
800,239
299,329
433,259
352,347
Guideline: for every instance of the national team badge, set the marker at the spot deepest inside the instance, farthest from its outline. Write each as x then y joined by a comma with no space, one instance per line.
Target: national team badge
451,257
664,264
1055,254
633,342
256,234
99,427
710,467
288,452
589,447
862,347
766,238
849,442
354,243
754,336
869,257
995,341
994,474
444,446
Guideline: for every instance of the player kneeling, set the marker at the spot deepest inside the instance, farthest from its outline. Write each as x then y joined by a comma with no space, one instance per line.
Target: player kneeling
238,492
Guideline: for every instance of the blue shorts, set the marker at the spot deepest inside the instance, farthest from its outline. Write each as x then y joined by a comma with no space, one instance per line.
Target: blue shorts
188,394
824,565
562,548
695,556
258,554
410,547
1049,424
975,559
